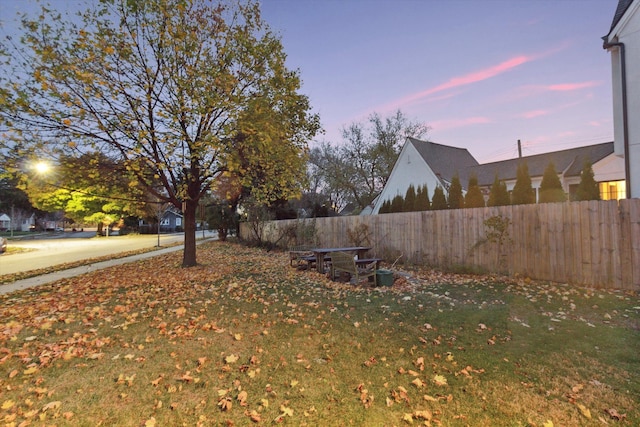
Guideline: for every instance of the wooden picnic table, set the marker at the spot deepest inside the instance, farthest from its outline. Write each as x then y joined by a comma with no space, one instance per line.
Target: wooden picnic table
320,253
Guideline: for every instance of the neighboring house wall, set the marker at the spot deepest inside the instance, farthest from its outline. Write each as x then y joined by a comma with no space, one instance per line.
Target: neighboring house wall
423,162
410,168
625,29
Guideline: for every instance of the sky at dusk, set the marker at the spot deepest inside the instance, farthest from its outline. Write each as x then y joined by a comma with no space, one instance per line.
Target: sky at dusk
481,73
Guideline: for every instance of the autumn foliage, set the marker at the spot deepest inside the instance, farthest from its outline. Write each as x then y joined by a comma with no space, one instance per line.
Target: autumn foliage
245,339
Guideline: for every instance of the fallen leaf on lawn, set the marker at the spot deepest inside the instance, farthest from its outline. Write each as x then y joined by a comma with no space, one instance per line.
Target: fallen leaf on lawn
547,423
423,414
30,371
584,410
181,311
68,415
254,416
429,398
8,404
293,383
408,418
242,398
225,403
418,383
439,380
51,405
13,373
237,337
615,415
151,422
286,411
95,356
232,358
156,382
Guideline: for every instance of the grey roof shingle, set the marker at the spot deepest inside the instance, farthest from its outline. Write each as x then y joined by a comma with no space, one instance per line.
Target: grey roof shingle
444,161
570,161
623,5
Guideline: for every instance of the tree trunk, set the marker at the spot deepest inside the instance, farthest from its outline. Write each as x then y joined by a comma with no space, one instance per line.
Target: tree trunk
189,254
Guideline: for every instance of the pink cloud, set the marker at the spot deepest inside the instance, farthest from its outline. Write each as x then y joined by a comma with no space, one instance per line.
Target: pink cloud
564,87
456,123
470,78
534,113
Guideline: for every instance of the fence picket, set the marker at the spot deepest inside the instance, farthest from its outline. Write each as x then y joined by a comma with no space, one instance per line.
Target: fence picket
593,243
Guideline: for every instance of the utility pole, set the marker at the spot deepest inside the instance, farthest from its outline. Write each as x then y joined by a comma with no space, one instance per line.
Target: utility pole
519,150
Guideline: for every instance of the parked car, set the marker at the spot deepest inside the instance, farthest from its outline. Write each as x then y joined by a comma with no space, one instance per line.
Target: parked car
3,245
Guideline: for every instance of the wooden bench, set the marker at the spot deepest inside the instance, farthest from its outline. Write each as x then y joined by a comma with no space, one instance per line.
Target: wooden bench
300,254
344,262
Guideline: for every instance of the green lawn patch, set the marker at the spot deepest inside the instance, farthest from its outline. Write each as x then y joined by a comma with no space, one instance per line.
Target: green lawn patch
244,339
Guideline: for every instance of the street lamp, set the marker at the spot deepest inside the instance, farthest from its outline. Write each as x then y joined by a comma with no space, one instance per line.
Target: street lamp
42,167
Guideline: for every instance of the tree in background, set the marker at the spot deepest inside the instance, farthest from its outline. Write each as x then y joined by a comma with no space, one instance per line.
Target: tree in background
397,204
498,195
90,188
551,188
456,200
439,201
168,87
422,199
410,199
474,197
357,170
385,207
523,193
588,187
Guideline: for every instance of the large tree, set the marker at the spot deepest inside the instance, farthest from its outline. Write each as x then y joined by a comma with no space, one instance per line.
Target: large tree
167,86
356,170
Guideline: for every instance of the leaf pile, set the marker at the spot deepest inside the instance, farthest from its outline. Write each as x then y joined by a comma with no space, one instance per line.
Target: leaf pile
244,339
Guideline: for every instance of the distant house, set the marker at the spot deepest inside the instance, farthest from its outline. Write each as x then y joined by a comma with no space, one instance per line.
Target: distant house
172,221
424,162
5,222
623,42
28,223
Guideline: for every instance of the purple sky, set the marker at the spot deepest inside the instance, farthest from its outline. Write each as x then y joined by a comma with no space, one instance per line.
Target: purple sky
481,73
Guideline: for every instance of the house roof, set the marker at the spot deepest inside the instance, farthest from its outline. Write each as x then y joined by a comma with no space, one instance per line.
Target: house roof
444,161
570,162
623,5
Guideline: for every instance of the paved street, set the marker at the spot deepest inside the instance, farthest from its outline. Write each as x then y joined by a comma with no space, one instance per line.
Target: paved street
71,247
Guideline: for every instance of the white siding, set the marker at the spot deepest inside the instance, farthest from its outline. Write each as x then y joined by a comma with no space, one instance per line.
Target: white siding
409,169
627,31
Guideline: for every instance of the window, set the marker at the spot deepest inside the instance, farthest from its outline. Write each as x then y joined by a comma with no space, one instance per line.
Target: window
613,190
178,221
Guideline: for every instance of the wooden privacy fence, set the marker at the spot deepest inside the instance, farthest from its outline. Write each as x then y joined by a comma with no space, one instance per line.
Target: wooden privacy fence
595,243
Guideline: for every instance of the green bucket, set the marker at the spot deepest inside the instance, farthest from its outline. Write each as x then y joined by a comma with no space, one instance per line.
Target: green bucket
384,277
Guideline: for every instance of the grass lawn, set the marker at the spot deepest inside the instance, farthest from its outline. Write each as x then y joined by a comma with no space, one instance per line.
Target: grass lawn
243,339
